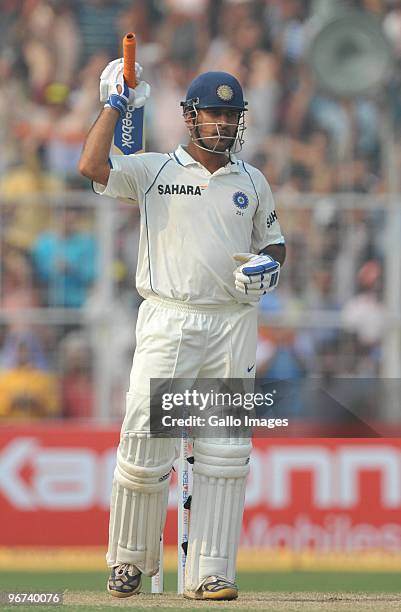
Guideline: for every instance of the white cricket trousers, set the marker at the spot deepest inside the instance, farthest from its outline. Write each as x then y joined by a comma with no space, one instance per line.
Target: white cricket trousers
178,340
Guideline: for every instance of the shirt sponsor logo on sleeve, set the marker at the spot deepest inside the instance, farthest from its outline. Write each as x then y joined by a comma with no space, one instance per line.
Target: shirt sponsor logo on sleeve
271,218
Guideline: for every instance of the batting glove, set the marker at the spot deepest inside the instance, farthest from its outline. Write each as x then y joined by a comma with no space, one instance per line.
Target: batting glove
257,274
115,92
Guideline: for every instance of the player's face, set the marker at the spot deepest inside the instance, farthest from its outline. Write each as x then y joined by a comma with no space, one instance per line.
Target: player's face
217,127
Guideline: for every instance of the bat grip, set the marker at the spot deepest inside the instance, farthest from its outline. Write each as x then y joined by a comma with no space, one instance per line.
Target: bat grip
129,51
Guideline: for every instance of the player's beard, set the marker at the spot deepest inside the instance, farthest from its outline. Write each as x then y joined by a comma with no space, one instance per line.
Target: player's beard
204,141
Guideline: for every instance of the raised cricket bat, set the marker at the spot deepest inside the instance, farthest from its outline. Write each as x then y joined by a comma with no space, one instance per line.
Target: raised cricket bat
129,131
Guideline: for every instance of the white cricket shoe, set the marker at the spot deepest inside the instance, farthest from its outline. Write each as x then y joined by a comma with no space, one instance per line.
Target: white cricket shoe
124,580
214,587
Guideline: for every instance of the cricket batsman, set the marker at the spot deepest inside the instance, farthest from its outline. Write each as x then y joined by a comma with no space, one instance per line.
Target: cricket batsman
210,246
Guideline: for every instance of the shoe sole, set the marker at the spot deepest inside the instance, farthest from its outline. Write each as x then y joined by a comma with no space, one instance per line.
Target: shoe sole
227,594
120,594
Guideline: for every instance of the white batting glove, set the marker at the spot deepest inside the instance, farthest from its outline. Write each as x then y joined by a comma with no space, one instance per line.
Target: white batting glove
257,274
112,79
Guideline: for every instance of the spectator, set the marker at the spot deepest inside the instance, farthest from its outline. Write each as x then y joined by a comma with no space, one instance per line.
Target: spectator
50,44
77,391
364,313
27,392
27,337
364,318
65,261
17,288
277,360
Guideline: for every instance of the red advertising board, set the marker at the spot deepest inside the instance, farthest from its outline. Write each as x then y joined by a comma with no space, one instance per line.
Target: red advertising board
55,484
338,494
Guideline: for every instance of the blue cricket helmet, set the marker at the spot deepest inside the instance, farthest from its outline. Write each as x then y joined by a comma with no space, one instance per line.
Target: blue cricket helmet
215,90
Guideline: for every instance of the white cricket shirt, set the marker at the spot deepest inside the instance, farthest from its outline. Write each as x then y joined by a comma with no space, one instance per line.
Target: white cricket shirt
192,222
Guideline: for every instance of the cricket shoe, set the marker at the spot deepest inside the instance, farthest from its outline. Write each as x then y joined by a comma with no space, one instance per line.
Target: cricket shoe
124,580
214,587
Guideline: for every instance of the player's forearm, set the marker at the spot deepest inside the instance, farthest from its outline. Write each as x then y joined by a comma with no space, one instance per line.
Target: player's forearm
94,162
277,251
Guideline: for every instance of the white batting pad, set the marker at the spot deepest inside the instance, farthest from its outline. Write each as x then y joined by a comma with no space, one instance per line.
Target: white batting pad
219,474
139,500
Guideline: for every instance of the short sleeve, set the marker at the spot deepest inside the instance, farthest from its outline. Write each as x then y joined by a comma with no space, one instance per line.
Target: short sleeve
266,227
127,178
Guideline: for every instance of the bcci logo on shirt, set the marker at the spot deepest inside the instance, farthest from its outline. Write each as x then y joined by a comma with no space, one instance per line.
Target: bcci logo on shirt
240,200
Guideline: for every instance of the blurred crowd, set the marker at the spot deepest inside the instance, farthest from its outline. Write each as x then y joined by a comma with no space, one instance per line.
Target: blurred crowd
304,140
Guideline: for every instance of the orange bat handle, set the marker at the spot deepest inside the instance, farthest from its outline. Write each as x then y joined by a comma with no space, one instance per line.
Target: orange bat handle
129,50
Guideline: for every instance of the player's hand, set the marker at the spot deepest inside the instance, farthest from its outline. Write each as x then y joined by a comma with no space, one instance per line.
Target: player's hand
115,92
257,274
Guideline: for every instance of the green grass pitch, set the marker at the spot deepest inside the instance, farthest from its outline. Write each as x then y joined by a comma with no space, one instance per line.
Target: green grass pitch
373,582
274,591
